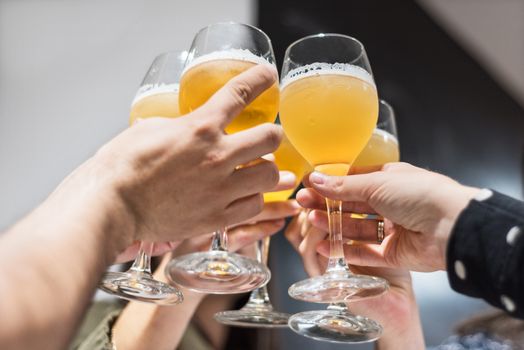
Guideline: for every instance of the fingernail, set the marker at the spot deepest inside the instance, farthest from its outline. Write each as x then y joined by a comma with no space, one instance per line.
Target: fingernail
287,176
317,178
274,71
295,204
269,156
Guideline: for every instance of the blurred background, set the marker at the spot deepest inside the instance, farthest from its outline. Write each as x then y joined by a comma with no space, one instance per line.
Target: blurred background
452,69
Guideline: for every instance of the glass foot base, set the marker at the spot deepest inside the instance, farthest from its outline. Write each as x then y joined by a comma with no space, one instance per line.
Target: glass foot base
253,318
217,272
335,326
338,287
140,287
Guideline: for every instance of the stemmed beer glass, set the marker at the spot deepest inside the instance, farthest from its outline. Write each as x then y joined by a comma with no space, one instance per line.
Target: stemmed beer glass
259,312
156,97
218,53
328,109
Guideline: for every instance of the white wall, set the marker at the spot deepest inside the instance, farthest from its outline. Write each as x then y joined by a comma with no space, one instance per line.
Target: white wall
68,72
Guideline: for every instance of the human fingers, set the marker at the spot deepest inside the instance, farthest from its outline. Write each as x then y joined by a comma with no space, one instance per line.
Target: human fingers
309,198
354,188
308,250
239,92
258,178
244,235
190,245
242,210
159,248
353,226
286,181
253,143
277,210
361,254
359,187
292,233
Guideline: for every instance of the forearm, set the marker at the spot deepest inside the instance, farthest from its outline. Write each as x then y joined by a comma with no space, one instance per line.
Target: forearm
486,252
52,260
145,326
407,333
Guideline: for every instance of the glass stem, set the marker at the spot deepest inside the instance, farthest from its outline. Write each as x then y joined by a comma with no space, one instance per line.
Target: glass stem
219,241
142,263
259,298
337,261
340,307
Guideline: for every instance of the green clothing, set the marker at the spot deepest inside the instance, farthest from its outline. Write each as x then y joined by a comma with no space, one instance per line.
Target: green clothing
95,332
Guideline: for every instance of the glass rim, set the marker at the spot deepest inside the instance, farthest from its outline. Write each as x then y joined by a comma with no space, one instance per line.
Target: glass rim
235,23
171,52
392,119
181,56
387,104
322,35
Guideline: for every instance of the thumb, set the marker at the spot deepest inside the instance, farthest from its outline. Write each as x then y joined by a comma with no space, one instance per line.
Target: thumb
239,92
354,188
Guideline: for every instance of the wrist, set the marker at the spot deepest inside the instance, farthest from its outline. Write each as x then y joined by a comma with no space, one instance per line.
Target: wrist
456,198
406,330
91,192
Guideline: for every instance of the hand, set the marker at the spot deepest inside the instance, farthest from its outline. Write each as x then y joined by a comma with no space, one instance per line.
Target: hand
420,208
145,326
263,221
159,248
242,236
180,177
395,310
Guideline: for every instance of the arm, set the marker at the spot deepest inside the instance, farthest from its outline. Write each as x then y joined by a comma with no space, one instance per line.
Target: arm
145,326
485,254
433,223
160,180
51,260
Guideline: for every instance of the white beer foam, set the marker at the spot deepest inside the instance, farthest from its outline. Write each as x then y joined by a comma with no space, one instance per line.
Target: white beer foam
322,68
385,135
231,54
153,89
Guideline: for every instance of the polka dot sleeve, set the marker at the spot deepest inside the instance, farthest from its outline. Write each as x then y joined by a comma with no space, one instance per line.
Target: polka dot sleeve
485,255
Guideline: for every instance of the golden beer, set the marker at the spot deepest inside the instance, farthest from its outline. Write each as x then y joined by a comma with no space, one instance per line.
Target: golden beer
207,74
156,101
382,148
287,158
329,115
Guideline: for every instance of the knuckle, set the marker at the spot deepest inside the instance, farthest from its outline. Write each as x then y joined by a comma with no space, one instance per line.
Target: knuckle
302,248
241,92
204,130
273,137
215,157
272,176
267,75
338,184
256,205
243,239
389,166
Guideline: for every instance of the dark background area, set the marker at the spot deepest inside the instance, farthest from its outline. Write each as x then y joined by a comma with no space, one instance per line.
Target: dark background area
452,116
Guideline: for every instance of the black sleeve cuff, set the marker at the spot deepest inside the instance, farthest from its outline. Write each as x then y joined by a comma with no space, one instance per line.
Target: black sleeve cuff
485,255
